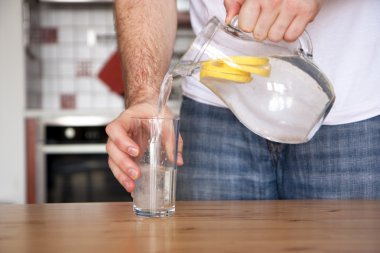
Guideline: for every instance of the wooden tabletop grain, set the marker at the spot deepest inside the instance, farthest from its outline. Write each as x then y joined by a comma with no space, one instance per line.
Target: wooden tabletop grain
222,226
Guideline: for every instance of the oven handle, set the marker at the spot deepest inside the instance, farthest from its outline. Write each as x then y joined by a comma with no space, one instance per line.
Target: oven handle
74,149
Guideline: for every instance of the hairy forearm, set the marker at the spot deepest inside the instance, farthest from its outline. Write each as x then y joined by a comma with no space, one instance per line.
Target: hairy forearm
146,32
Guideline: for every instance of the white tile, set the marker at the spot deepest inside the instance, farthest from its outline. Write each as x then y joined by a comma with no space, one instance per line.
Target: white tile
50,85
116,101
81,17
98,17
100,29
67,85
47,18
50,101
100,87
66,68
48,51
83,52
100,100
84,101
110,28
102,53
64,17
65,35
65,52
98,65
83,84
109,20
80,35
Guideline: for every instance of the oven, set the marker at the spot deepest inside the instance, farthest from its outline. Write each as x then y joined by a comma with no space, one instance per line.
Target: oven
73,163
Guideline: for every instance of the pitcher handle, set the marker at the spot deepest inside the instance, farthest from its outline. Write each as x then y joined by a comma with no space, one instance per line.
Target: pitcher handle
304,41
305,44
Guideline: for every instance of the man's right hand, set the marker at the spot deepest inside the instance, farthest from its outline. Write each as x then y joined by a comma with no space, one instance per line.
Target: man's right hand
273,19
121,148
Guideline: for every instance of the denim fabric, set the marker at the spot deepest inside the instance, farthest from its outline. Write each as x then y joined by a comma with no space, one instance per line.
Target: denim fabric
224,160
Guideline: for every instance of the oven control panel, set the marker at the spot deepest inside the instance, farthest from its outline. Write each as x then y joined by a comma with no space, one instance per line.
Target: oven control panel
75,134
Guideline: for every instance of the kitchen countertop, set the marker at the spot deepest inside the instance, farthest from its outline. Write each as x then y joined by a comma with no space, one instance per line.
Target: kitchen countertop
217,226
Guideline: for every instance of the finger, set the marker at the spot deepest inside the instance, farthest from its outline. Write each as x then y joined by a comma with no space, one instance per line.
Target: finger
264,22
248,15
121,177
180,149
232,9
168,140
123,161
279,27
118,135
172,140
296,28
170,150
169,136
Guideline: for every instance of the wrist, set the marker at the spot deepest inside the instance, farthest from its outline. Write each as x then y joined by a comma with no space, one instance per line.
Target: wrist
138,94
130,102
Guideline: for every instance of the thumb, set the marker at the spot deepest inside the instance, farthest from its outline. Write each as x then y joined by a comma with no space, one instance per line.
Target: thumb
232,9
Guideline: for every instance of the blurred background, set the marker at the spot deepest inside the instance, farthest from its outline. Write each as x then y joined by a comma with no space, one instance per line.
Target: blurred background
60,84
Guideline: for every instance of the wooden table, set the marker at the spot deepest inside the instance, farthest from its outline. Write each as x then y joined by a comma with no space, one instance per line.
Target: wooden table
225,226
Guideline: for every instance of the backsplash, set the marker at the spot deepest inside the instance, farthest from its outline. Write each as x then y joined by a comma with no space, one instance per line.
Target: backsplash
67,47
70,56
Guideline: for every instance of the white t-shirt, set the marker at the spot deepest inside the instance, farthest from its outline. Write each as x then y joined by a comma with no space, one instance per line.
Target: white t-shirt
346,47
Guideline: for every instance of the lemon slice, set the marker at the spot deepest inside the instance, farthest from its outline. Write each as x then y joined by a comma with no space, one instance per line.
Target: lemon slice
219,66
226,76
262,70
249,60
236,68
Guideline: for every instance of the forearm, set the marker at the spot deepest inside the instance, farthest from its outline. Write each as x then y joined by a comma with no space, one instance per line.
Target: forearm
146,33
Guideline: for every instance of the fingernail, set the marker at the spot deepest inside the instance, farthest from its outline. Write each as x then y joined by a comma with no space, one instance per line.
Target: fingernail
258,36
132,151
180,159
132,173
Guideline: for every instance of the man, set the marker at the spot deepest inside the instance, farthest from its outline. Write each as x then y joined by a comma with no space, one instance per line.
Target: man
223,159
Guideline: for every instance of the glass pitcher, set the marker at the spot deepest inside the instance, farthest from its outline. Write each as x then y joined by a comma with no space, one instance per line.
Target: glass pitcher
274,89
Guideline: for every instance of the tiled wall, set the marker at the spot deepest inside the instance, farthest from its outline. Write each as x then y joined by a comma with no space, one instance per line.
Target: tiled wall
68,46
74,42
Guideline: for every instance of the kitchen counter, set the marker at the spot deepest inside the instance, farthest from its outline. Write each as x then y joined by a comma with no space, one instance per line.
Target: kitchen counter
218,226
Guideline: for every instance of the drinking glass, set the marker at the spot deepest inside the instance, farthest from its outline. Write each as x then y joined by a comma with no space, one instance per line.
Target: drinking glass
157,138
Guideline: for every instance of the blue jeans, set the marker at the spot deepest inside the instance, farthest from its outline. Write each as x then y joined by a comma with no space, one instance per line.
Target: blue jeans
225,160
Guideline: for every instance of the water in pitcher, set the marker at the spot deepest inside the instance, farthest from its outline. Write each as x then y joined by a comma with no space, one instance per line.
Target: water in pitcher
284,106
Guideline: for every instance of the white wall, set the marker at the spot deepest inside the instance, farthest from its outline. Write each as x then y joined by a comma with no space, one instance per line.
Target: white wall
12,101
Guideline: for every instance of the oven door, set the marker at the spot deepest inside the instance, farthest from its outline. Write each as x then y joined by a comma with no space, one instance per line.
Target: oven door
80,173
72,162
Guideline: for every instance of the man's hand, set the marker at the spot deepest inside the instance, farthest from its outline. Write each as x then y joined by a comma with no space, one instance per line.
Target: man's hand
273,19
123,151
